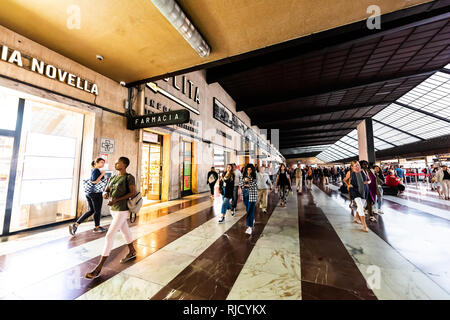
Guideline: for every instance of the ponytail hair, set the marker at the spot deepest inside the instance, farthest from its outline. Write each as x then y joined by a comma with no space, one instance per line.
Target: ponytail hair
93,163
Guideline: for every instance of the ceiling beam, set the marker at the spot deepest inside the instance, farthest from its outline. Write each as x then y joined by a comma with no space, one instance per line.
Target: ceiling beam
307,124
301,131
313,44
400,130
301,155
354,84
332,39
295,137
422,111
314,111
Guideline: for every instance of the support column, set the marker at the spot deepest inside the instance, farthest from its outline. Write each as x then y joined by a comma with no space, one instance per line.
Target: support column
366,145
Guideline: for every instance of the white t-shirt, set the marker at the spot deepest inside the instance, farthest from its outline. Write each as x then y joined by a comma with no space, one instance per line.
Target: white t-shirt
237,177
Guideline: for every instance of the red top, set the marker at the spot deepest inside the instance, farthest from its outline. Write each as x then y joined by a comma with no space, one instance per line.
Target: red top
392,181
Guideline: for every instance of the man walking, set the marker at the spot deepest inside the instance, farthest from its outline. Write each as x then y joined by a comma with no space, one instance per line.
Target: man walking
263,182
299,178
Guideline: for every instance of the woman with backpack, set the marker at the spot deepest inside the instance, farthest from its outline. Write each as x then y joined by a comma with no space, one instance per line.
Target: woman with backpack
120,188
283,182
95,199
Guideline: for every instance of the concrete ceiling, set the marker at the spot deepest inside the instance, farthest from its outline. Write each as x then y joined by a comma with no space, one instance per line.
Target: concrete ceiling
137,42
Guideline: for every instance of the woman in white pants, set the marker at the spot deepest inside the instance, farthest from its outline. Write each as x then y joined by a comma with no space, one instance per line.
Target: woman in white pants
359,190
120,188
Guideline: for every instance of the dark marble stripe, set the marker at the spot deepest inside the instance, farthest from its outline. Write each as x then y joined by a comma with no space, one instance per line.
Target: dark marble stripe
70,284
212,275
87,236
406,236
328,270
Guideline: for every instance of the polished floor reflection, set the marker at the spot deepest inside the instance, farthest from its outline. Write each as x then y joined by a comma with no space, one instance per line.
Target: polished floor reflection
309,250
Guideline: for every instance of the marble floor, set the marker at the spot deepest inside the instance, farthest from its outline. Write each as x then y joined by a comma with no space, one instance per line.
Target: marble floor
311,250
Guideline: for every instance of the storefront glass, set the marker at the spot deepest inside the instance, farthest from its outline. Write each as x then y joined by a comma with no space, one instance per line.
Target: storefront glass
187,169
151,172
6,149
47,177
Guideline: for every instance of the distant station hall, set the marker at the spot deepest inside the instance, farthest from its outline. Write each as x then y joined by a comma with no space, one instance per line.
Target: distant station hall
224,150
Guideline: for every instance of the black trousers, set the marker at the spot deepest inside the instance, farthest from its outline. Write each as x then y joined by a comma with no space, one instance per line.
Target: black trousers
95,201
211,186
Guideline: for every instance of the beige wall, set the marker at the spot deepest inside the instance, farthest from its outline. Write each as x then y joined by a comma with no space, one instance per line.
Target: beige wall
98,123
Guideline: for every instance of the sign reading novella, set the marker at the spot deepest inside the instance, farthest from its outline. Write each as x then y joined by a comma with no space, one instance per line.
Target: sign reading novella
158,119
50,71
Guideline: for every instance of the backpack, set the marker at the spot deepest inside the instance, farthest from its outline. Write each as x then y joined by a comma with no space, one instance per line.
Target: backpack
134,203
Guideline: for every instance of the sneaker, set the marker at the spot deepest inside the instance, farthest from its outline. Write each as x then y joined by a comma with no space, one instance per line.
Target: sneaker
380,211
249,230
72,229
265,211
100,230
222,219
233,212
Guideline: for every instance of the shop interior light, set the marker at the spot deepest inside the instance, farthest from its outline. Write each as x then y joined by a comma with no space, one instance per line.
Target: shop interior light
173,13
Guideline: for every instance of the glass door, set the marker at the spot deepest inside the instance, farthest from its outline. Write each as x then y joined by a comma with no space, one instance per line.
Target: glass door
48,164
151,171
6,151
187,169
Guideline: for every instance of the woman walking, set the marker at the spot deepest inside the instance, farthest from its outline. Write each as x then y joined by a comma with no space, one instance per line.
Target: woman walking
372,195
283,182
250,195
211,180
309,178
94,199
380,181
228,183
120,188
359,190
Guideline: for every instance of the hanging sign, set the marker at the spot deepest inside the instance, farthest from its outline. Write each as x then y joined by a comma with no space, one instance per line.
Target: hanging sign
158,119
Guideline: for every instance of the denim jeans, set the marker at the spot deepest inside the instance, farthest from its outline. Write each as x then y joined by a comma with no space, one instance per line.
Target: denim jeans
226,205
250,213
245,197
379,198
235,196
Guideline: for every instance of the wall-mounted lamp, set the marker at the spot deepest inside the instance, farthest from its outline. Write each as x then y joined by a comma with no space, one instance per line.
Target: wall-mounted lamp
173,13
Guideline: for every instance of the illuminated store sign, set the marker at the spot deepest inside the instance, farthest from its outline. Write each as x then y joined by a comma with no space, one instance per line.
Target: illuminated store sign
48,70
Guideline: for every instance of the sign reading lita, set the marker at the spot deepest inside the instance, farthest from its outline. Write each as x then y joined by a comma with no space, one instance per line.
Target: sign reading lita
158,119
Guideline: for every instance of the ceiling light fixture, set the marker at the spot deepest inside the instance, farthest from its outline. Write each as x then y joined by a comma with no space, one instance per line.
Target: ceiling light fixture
173,13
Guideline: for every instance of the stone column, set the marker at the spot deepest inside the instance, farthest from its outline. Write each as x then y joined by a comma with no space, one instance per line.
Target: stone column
366,145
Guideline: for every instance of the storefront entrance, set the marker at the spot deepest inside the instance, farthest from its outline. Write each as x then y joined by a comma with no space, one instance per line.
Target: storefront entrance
151,172
40,148
186,170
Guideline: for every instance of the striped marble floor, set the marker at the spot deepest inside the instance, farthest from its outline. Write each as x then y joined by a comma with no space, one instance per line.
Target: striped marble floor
308,250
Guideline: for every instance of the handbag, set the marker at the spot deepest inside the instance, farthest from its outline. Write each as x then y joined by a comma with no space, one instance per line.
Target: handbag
134,203
211,179
90,187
